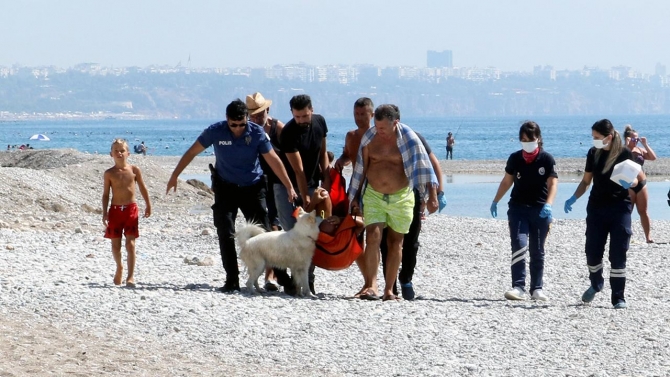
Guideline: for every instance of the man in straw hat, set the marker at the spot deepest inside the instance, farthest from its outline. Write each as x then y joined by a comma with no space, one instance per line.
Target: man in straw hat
259,109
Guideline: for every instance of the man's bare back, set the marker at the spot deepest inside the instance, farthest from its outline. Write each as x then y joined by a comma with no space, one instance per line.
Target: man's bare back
385,168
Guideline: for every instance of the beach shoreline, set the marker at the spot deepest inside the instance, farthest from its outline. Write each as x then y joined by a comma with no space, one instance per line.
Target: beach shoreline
61,314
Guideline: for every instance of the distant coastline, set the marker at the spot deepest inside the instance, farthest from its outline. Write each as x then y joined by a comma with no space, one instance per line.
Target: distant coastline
18,117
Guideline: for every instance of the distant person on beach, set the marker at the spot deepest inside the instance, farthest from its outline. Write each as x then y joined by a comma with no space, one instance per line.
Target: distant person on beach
144,149
450,146
608,211
392,160
259,113
303,141
639,195
238,182
122,217
9,147
532,172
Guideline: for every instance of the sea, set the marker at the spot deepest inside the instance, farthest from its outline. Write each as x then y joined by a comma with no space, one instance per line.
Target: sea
477,138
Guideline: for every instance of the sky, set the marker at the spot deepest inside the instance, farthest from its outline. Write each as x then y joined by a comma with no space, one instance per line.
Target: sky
510,35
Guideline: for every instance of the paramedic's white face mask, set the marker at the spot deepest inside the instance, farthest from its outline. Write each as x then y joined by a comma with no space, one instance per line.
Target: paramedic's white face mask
529,146
599,144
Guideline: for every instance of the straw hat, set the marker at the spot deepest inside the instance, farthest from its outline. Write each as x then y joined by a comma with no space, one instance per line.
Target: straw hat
257,103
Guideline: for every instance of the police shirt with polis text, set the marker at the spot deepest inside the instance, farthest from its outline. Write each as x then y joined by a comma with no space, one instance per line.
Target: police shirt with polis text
237,158
530,180
604,191
308,142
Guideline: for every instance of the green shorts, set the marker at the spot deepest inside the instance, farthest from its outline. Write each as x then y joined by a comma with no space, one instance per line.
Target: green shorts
395,210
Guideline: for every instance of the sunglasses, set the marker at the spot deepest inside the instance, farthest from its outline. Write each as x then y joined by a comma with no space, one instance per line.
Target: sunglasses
236,125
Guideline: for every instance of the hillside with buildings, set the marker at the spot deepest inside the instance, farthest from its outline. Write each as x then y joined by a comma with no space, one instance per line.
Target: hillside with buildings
95,91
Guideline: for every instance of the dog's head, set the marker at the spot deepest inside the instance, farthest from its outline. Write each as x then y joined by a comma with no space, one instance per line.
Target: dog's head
307,223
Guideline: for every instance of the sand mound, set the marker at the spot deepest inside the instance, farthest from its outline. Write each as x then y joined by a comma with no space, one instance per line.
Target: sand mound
43,159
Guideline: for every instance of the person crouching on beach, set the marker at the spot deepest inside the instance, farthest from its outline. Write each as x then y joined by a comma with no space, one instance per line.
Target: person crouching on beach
122,217
532,171
608,211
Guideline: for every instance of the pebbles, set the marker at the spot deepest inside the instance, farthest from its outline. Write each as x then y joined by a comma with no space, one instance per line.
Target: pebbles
57,296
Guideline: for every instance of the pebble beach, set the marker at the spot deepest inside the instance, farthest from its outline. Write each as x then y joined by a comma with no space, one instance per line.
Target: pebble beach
61,314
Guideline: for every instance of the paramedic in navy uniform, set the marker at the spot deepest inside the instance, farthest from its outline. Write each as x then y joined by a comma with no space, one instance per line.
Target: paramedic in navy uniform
532,171
607,211
239,183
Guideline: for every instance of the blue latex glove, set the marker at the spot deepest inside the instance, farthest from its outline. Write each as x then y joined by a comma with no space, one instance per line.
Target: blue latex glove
546,211
442,201
568,204
494,209
625,184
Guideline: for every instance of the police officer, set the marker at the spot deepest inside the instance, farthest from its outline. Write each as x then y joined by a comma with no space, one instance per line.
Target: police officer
532,171
238,182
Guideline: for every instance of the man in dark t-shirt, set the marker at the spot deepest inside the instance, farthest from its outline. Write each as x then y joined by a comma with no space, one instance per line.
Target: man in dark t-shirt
303,141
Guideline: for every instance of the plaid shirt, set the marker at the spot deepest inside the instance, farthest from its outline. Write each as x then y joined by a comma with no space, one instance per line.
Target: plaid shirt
418,168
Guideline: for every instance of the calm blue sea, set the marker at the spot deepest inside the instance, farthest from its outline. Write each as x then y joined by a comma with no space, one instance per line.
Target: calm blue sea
477,138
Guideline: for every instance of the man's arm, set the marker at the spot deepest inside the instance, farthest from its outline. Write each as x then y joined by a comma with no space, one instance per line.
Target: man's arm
143,190
345,158
356,202
186,159
296,165
325,167
280,171
438,171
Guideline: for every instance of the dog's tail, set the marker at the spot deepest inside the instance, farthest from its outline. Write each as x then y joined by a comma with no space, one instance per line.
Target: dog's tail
248,231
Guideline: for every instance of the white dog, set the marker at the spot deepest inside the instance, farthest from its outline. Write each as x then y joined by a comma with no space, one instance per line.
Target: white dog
293,249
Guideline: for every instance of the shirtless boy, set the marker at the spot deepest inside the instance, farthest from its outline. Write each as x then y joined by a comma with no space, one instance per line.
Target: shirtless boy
122,216
393,161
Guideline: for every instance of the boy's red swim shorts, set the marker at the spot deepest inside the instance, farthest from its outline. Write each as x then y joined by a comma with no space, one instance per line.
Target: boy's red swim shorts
122,220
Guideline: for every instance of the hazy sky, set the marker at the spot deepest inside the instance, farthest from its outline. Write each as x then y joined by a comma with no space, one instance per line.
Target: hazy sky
511,35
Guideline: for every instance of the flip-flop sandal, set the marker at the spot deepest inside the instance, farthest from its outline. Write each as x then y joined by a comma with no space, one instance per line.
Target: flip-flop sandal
391,298
369,295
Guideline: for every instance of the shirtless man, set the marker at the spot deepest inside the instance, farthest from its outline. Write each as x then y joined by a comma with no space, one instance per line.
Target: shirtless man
363,113
388,198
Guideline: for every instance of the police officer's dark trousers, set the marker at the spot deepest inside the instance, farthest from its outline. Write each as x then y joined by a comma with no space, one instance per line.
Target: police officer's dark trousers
228,198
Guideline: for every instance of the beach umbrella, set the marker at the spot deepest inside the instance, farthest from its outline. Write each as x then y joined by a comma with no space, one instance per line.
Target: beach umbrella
40,137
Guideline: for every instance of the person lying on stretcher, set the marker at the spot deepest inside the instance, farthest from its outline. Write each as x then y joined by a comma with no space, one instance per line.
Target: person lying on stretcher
323,206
